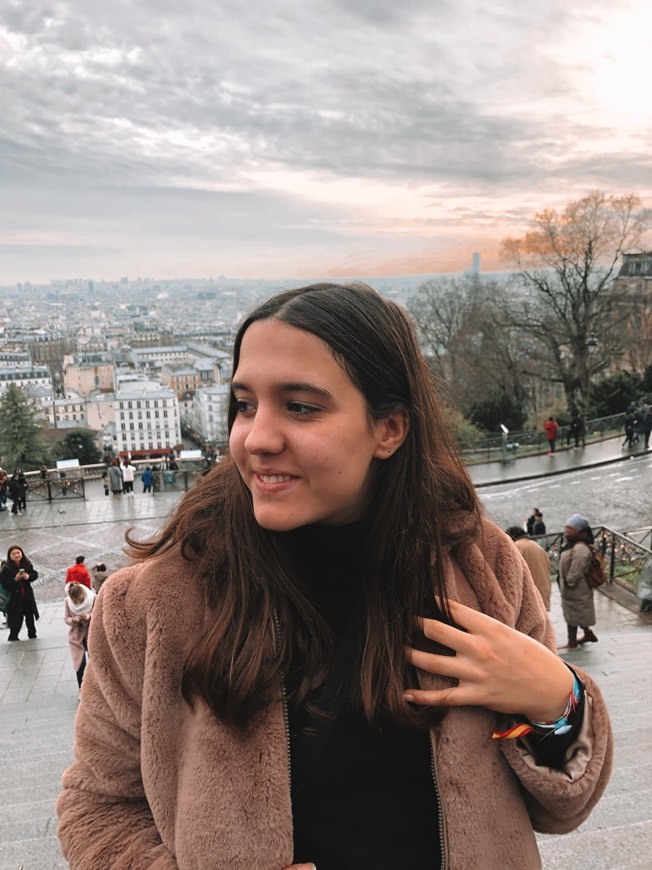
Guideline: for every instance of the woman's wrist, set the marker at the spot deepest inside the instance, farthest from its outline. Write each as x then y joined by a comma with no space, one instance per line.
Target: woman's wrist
559,726
553,697
563,724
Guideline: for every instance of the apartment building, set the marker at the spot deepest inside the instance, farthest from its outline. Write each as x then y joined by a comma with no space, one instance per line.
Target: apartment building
146,418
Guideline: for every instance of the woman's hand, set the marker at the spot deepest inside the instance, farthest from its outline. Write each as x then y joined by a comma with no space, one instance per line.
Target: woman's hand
496,667
301,867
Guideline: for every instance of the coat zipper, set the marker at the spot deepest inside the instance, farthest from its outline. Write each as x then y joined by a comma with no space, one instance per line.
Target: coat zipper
440,809
284,701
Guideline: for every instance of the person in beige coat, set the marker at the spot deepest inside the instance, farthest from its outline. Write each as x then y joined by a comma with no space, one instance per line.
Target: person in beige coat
536,559
271,685
576,594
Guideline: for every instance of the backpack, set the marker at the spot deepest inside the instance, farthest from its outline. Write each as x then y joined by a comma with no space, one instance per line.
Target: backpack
596,575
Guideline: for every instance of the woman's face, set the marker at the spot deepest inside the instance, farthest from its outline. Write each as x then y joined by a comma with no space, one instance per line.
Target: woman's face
16,555
302,439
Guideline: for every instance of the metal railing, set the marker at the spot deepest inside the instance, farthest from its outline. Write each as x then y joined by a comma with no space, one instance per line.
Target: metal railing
52,487
55,488
532,442
624,556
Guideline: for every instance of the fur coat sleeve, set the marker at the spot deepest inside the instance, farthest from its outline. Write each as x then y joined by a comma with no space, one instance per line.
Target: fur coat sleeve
106,820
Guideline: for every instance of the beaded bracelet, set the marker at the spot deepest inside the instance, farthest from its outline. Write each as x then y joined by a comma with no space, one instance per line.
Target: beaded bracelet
559,726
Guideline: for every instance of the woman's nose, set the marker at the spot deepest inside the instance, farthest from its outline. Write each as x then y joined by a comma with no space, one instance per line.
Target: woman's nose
265,433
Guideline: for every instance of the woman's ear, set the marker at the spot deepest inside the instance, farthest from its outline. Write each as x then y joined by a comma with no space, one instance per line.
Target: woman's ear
392,432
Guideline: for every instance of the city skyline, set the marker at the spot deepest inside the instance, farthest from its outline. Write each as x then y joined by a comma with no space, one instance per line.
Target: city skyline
325,140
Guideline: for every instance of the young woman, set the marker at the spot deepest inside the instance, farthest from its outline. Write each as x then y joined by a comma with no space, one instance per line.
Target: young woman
326,657
78,607
17,577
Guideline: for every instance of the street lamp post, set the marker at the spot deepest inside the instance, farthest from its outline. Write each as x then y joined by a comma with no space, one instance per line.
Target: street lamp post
591,346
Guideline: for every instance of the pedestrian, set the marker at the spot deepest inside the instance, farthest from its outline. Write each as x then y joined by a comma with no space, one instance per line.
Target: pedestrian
536,559
550,428
105,481
22,490
115,478
630,429
43,472
289,617
78,573
577,429
100,574
128,475
534,524
77,611
17,577
647,426
4,480
576,594
641,415
14,489
147,478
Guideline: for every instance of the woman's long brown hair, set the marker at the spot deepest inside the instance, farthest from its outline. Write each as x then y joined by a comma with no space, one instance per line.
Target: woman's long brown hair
261,623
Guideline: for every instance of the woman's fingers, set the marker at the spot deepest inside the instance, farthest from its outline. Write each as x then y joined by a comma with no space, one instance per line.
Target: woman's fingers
457,667
496,667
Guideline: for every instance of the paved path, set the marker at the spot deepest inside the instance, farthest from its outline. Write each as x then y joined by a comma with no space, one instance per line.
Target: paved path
38,697
564,460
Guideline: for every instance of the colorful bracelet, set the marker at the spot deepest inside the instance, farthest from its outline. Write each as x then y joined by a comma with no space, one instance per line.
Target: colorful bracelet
559,726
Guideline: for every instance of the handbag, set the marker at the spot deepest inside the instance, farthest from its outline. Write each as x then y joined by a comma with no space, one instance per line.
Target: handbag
4,598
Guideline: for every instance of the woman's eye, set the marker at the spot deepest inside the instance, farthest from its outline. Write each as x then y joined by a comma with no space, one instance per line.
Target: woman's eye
301,409
243,406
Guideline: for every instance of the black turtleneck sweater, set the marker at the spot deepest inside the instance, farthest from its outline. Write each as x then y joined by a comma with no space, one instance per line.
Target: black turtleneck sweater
368,798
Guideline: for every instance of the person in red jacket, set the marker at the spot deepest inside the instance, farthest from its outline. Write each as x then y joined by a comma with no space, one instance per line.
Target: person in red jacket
78,573
550,428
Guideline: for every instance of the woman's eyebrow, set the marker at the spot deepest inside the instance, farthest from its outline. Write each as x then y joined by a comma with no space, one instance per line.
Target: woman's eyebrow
301,387
290,387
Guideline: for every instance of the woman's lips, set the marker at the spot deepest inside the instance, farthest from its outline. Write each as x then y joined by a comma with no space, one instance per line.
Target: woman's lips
270,481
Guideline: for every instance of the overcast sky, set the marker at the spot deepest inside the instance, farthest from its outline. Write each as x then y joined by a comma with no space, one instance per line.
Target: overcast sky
306,139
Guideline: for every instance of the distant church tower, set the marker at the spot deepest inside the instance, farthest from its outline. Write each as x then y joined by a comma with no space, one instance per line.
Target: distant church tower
475,267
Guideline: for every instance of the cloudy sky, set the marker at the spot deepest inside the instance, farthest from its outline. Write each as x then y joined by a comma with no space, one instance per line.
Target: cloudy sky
314,138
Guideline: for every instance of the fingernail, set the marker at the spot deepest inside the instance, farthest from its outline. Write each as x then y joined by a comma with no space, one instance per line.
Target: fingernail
408,697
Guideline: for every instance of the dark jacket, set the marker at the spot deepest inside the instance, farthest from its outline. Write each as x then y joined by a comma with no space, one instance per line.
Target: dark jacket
14,488
22,595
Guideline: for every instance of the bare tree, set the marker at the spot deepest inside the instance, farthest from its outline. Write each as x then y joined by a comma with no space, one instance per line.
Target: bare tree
441,308
562,293
470,347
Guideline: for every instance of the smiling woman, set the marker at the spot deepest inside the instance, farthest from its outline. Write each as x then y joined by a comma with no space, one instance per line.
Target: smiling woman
327,648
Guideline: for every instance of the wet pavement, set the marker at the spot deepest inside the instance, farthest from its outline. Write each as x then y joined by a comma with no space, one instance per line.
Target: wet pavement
562,461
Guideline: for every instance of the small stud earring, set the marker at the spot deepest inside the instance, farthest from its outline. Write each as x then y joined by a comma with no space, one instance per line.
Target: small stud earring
389,449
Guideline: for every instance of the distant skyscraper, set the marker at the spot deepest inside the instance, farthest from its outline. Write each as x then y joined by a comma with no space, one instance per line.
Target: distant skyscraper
475,268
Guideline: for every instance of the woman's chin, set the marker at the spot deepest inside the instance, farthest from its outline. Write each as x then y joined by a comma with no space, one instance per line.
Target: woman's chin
275,521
